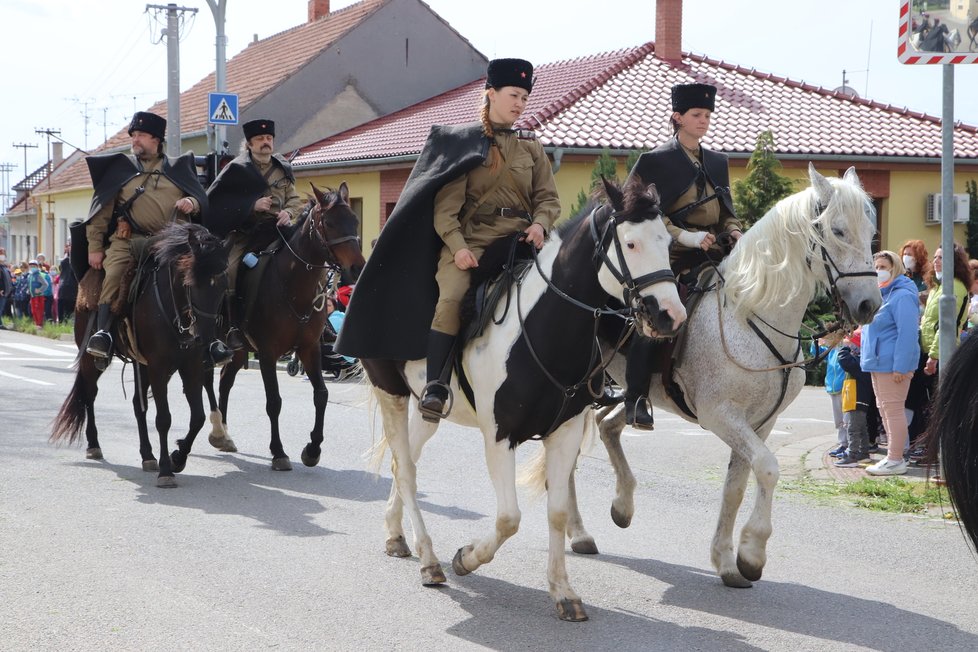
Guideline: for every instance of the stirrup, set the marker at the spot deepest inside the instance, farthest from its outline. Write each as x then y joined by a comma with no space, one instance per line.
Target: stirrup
219,354
100,352
431,414
635,417
235,339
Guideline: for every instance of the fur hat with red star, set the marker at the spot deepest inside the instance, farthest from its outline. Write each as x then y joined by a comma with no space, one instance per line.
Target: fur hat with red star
258,128
510,72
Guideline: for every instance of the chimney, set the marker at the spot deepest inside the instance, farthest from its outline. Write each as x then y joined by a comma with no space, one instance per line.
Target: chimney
318,9
669,30
57,154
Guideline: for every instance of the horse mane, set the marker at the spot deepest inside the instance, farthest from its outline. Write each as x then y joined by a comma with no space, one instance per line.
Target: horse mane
634,199
771,263
193,250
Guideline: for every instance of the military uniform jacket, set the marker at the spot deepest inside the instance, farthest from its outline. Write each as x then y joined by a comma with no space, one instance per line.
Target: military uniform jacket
111,175
240,184
392,306
675,175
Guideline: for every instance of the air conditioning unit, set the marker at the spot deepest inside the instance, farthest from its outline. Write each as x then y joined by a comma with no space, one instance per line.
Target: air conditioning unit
962,207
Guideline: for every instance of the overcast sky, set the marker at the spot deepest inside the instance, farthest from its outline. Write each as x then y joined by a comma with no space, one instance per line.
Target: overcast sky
62,59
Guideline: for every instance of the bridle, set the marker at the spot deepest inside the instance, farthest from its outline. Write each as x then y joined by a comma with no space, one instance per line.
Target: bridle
316,226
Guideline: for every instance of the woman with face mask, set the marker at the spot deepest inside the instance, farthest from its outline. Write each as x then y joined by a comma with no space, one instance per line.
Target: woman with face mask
890,352
915,260
962,277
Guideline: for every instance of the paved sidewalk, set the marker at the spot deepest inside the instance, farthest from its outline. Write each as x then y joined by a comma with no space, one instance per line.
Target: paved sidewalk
810,458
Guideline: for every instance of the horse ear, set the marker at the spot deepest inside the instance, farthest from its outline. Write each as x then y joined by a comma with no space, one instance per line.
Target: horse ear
344,193
851,177
614,193
821,185
319,195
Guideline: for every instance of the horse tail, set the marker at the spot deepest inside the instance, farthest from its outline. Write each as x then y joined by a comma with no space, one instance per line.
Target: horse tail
533,473
954,425
68,424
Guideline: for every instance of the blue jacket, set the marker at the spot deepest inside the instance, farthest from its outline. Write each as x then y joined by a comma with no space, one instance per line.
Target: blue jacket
892,341
834,375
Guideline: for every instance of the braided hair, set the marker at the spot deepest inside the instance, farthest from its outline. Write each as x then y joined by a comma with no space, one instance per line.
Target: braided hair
495,158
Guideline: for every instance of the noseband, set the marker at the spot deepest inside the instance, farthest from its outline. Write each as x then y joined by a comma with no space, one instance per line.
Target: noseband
316,225
631,287
827,260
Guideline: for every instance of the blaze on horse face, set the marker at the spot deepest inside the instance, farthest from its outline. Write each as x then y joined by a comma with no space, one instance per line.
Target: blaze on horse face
338,228
644,246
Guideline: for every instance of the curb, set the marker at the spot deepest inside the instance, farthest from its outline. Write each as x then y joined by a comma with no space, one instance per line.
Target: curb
809,458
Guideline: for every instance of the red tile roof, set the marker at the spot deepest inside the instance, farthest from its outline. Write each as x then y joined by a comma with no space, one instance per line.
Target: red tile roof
252,73
620,100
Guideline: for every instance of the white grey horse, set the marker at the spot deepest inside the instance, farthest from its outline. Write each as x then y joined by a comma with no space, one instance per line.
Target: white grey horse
734,383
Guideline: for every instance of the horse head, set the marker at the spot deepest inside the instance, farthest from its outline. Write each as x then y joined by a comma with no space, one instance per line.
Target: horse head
338,229
844,223
200,260
635,261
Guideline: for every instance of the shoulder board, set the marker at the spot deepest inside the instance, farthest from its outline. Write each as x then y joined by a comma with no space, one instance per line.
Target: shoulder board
525,134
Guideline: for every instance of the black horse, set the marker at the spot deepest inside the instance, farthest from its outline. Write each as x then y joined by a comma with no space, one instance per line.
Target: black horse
290,315
166,331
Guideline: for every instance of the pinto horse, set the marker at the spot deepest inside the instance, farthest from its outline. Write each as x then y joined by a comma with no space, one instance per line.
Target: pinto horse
172,322
291,315
740,358
533,372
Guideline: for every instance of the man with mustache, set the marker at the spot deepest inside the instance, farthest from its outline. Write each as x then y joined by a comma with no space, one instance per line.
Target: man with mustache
136,196
257,186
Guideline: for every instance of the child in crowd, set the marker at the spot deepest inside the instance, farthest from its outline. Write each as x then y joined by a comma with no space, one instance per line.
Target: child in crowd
833,385
858,429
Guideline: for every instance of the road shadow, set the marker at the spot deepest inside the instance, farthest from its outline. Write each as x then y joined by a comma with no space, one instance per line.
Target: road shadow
805,610
506,616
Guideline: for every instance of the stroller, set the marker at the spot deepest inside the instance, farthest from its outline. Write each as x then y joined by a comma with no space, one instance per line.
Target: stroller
332,362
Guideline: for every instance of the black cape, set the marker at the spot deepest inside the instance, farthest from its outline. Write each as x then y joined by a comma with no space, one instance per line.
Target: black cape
673,173
110,172
392,306
234,192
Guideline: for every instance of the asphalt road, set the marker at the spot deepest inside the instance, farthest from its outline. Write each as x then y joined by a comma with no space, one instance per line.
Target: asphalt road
94,557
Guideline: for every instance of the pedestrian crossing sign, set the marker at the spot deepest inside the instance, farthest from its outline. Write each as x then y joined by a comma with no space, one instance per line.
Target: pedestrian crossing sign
222,108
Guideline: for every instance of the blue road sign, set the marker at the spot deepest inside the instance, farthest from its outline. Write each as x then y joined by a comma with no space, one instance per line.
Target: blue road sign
222,108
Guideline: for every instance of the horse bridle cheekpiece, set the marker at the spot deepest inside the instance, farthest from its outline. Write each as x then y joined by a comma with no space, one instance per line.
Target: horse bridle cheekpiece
827,259
631,287
317,226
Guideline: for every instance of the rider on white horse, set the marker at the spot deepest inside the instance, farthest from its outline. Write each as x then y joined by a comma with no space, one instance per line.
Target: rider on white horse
693,183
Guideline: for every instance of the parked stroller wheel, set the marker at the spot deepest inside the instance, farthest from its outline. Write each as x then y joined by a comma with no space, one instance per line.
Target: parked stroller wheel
292,367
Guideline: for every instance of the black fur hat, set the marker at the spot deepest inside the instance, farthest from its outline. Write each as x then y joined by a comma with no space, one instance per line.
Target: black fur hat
693,96
150,123
510,72
258,128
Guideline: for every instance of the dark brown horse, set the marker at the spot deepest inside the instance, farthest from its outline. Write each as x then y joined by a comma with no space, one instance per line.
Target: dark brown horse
166,331
290,314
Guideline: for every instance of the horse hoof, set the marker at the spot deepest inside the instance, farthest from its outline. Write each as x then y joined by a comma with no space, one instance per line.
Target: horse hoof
457,566
750,571
93,454
281,464
432,575
621,519
166,482
151,465
398,547
308,459
735,581
571,610
585,546
222,443
179,461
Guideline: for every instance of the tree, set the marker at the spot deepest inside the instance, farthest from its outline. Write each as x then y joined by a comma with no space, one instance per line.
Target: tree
972,245
606,166
764,186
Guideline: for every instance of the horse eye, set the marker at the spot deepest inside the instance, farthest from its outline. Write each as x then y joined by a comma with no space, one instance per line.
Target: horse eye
837,233
630,245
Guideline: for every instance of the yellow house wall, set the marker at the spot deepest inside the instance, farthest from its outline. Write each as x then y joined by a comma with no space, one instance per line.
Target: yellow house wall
364,186
906,209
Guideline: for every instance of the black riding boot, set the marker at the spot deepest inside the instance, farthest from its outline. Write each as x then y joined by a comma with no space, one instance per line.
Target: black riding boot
219,353
235,338
100,343
638,378
609,396
435,400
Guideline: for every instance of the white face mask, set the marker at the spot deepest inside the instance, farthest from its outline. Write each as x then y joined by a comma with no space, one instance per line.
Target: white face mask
3,259
939,275
883,275
909,262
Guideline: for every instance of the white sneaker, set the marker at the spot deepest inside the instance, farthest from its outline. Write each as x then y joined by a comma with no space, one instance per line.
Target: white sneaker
887,466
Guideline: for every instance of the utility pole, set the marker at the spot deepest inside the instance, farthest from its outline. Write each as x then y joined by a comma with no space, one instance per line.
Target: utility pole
218,8
25,147
172,34
5,170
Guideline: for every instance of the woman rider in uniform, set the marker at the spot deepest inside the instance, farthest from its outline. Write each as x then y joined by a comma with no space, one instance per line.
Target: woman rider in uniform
693,185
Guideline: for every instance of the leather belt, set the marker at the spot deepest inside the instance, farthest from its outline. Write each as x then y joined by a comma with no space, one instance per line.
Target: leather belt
511,212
